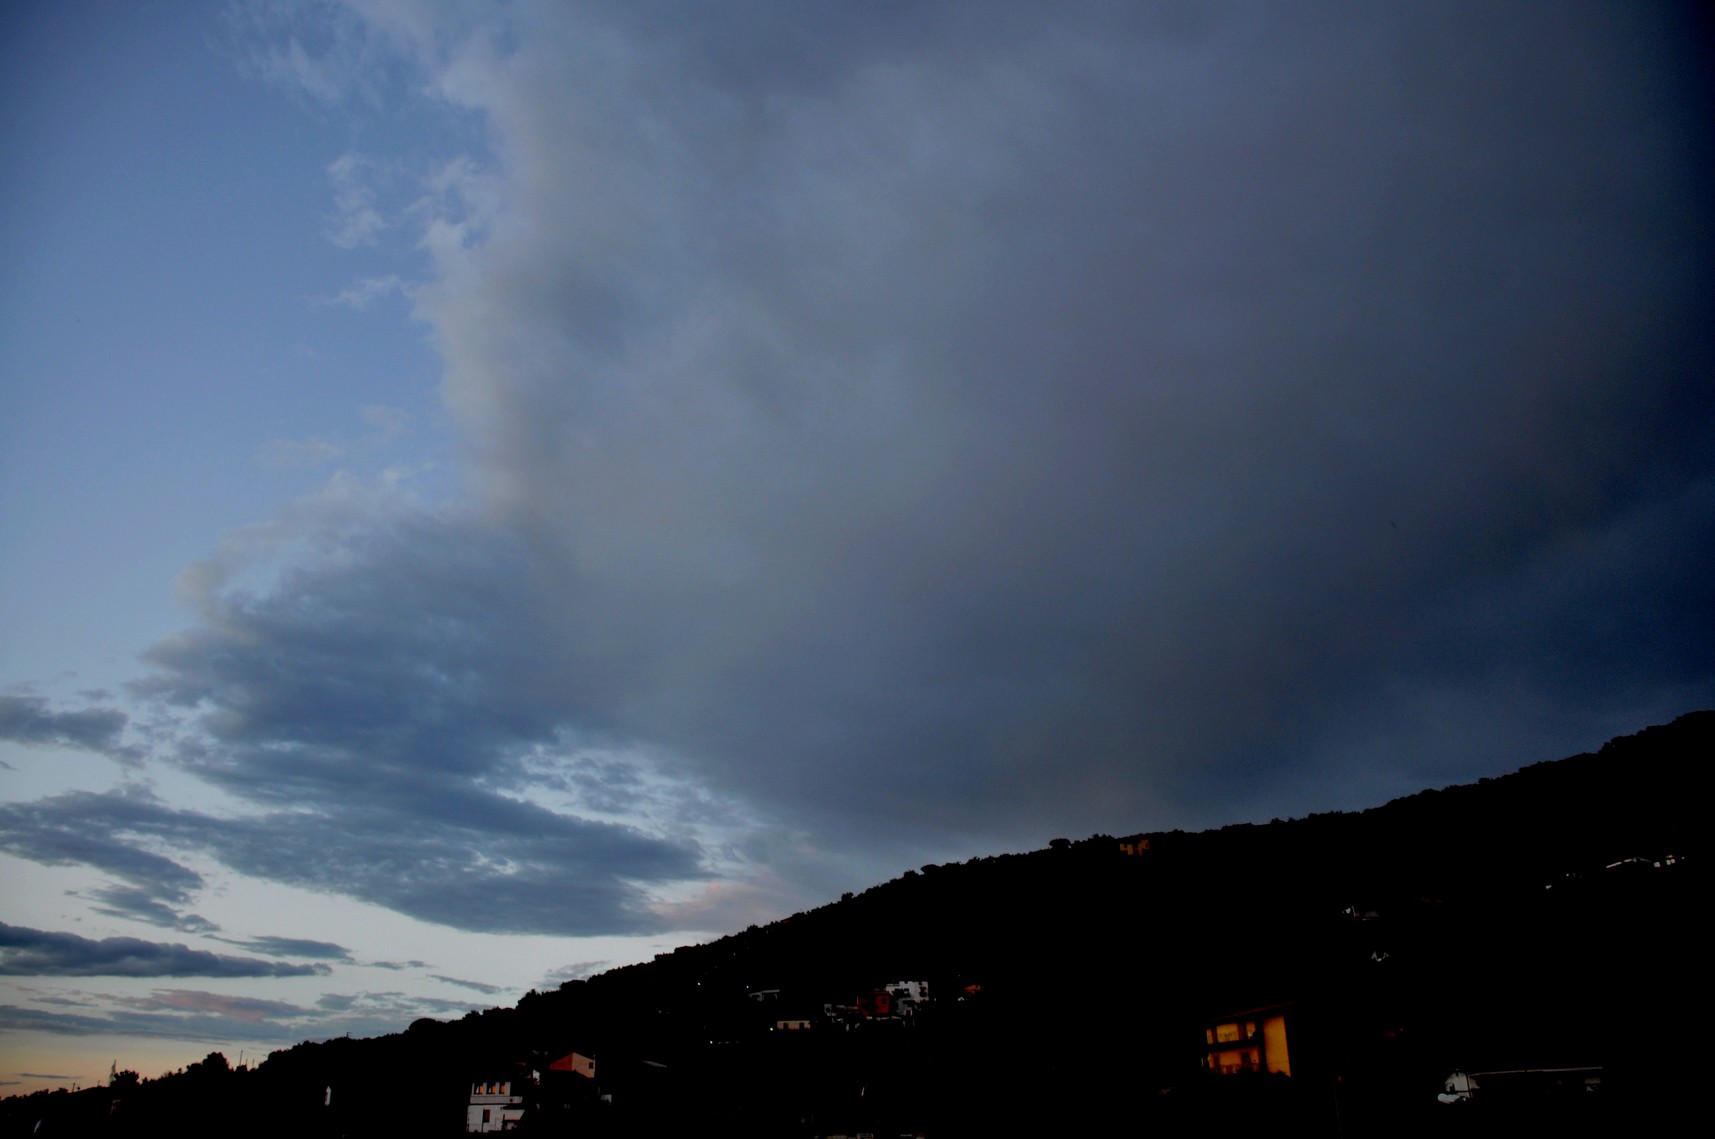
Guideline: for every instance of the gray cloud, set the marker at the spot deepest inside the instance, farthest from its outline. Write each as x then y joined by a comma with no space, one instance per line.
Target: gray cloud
31,720
191,1014
32,952
83,828
1001,420
226,1006
141,905
20,1018
381,732
576,971
446,852
476,986
377,1006
293,947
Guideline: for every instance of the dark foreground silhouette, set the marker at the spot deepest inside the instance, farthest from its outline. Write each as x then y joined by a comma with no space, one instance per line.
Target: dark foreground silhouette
1510,957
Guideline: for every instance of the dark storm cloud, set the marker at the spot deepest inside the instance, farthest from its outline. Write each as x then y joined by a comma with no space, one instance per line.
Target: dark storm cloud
38,953
30,720
1014,419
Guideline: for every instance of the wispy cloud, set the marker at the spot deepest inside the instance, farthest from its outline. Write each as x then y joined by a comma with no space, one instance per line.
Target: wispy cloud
30,719
388,422
292,947
385,424
475,986
433,847
94,830
249,1010
290,453
31,952
189,1014
357,219
142,905
363,293
576,971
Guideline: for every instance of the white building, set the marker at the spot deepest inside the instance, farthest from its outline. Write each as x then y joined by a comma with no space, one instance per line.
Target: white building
495,1105
908,996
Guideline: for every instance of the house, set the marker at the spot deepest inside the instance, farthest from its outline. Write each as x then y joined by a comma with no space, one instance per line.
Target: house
1249,1041
569,1097
1521,1084
908,996
495,1105
876,1003
574,1062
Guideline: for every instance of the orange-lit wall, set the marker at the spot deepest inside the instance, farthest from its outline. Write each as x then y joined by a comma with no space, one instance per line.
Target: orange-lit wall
1237,1060
1272,1056
1274,1045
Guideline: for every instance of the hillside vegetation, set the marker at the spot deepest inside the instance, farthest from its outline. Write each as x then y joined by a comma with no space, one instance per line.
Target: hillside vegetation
1537,920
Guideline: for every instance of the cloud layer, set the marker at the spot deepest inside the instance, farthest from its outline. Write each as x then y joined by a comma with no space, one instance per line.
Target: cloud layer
990,419
38,953
908,427
197,1015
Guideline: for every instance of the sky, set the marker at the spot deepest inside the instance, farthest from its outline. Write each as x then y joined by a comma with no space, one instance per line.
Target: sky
493,492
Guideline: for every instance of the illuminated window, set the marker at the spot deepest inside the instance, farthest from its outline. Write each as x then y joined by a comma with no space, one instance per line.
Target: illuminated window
1229,1063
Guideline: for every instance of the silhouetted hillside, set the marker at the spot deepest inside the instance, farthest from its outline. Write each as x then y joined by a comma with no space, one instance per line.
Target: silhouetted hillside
1533,921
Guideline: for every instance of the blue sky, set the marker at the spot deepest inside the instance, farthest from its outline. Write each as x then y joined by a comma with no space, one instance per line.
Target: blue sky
490,492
